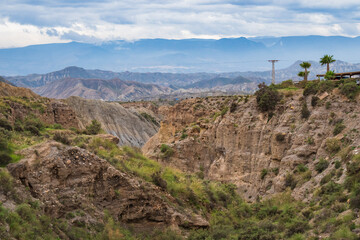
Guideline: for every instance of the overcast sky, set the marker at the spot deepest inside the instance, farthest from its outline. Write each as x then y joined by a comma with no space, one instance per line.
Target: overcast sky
27,22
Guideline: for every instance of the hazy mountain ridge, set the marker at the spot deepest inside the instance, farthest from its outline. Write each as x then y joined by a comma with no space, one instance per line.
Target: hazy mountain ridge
109,90
176,56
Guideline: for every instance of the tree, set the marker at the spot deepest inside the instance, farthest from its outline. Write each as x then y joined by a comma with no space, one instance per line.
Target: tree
267,97
305,66
327,59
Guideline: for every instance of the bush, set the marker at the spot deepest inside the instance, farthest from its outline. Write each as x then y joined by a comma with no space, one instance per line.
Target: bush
327,105
321,165
33,130
314,101
61,137
280,137
339,127
333,145
5,159
4,123
301,168
267,98
326,86
329,75
94,128
337,164
305,113
326,179
349,89
311,88
158,180
166,150
6,181
264,172
224,111
233,107
290,181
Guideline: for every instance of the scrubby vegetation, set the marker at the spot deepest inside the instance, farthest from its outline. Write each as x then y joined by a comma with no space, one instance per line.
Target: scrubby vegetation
267,97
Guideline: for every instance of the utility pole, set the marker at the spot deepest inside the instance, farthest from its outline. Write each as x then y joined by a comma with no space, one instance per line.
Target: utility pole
273,70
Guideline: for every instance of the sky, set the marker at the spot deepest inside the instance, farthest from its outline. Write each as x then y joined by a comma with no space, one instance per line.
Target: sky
29,22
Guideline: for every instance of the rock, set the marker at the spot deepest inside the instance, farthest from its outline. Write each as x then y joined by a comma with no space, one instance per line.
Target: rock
237,146
126,124
69,178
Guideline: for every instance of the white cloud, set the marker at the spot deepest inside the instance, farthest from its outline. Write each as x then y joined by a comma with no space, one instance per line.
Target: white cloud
25,22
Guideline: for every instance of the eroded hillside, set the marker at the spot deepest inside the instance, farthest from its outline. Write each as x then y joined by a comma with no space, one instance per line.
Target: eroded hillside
133,126
229,139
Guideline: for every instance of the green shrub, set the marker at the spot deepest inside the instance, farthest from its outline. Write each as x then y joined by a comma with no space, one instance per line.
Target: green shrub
339,127
158,181
327,105
94,128
290,181
321,165
62,137
337,164
326,179
267,98
326,86
329,75
166,150
149,118
4,123
349,89
332,145
5,159
275,171
305,113
224,111
280,137
314,101
6,181
264,172
183,135
33,130
56,126
311,88
233,107
301,168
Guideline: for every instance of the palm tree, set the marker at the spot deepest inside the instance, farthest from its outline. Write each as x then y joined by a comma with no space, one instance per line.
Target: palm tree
327,59
305,66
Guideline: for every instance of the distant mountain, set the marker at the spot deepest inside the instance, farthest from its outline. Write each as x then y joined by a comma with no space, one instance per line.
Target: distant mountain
218,82
176,56
166,79
109,90
6,81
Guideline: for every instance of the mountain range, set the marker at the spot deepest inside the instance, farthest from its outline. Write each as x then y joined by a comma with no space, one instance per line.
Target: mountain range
176,56
128,86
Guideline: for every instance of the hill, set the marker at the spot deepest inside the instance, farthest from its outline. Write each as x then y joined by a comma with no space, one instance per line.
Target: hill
218,168
109,90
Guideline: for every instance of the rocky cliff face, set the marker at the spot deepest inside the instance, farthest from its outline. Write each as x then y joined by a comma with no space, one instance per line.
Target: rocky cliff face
18,103
69,178
130,124
228,139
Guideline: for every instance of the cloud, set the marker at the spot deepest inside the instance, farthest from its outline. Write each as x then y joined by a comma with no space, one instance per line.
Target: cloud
27,22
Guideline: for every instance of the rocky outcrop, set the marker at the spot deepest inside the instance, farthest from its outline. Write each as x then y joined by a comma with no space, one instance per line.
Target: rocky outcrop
66,179
7,90
230,140
19,103
127,124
